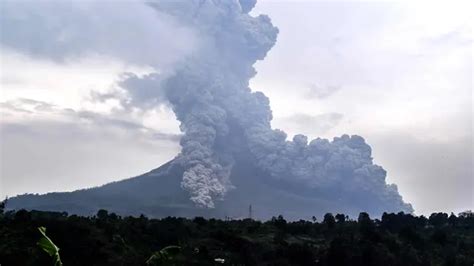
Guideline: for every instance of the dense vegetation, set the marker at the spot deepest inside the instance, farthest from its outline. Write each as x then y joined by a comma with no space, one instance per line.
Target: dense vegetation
107,239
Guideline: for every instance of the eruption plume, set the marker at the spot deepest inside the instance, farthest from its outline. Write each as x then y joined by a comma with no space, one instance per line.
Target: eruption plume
221,117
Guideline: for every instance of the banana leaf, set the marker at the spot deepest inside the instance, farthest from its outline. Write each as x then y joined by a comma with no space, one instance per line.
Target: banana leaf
49,247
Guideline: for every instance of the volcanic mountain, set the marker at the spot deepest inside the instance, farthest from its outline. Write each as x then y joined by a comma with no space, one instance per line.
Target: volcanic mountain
158,193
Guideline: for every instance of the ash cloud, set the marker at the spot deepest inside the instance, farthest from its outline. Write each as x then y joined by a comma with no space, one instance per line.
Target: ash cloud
211,97
142,91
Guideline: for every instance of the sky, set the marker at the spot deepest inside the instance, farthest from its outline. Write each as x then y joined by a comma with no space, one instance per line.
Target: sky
397,73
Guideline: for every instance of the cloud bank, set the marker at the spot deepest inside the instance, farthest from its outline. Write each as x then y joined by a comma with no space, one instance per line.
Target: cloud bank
64,30
44,146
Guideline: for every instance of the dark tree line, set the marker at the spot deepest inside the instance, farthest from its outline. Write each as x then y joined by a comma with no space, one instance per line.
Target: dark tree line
108,239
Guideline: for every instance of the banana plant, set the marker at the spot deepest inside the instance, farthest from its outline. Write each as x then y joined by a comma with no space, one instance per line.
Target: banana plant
49,247
164,256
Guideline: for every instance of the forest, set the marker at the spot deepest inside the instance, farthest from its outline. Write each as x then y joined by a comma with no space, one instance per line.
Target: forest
108,239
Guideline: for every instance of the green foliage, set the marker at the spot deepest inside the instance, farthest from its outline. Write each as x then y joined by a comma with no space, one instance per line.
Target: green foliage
102,214
340,218
164,257
438,219
3,204
49,247
397,239
329,220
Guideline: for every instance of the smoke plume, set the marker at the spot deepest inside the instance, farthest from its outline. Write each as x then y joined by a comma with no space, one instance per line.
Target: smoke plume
221,117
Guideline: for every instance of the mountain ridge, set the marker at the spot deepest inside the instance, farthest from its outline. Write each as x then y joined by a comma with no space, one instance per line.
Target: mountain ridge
158,193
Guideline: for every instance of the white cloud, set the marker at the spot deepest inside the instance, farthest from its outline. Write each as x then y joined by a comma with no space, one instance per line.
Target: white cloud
130,31
46,148
66,84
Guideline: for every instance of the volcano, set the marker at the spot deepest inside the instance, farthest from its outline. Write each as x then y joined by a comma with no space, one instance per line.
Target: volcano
158,193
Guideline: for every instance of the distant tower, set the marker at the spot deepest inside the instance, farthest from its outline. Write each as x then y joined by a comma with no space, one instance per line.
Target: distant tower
250,211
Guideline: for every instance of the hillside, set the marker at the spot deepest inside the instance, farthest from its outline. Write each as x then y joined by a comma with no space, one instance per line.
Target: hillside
158,193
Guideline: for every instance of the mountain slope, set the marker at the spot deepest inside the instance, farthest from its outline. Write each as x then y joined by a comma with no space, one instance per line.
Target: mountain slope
158,193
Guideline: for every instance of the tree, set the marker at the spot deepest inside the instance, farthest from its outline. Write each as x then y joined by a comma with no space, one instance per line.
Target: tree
452,219
438,219
365,223
102,214
329,220
364,218
466,214
340,218
439,236
280,223
421,221
3,204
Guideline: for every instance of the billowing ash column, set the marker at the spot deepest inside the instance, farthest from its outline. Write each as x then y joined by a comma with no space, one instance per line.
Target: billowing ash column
210,94
208,88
